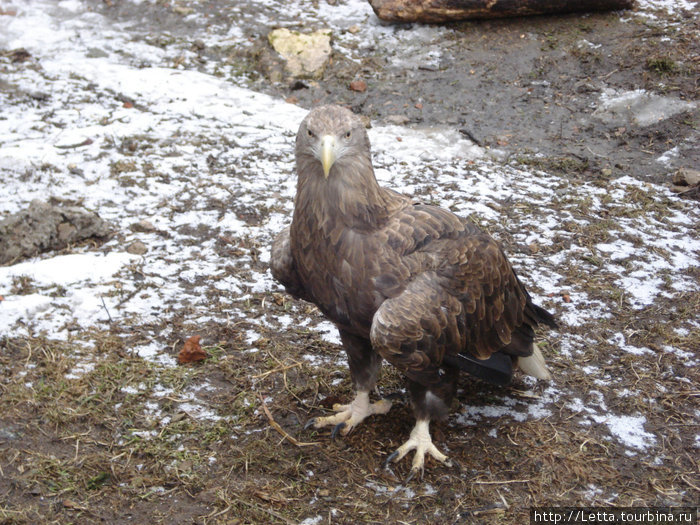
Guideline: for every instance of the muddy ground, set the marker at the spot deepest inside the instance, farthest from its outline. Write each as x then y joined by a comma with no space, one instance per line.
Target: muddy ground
76,451
525,86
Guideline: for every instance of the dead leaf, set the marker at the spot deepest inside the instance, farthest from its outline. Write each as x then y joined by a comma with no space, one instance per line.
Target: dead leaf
191,351
358,85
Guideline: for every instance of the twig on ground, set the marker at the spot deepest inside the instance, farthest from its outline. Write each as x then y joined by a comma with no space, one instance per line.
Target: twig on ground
279,429
278,369
106,310
501,482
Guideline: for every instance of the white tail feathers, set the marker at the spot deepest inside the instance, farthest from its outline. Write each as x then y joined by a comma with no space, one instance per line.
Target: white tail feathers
534,365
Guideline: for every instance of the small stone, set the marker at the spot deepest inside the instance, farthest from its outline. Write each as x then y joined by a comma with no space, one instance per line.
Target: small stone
144,226
95,52
354,29
137,248
43,227
399,120
298,84
180,10
75,170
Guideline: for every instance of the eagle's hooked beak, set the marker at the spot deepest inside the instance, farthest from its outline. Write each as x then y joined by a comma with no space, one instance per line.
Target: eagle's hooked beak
327,153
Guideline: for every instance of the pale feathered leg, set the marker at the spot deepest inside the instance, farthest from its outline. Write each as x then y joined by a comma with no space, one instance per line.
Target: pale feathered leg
349,416
364,365
422,443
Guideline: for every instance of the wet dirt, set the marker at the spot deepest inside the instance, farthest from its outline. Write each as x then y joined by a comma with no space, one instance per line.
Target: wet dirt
526,87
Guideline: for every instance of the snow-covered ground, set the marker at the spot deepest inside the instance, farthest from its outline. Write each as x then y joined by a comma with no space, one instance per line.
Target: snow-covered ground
106,121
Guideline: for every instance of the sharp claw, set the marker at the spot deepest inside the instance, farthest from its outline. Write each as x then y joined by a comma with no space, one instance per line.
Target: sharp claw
393,396
311,422
391,458
412,474
340,426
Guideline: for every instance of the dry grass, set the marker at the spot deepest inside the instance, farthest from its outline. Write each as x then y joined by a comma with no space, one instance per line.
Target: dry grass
106,446
92,432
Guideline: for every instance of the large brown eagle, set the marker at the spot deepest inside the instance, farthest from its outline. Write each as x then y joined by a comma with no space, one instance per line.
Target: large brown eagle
407,282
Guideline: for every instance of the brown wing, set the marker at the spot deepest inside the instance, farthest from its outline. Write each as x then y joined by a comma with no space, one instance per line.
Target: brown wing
463,297
283,267
494,300
415,329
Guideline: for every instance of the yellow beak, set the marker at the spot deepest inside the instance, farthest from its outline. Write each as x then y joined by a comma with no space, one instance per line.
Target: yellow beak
327,153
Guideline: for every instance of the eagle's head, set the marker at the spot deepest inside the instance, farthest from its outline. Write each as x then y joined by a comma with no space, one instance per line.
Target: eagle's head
332,136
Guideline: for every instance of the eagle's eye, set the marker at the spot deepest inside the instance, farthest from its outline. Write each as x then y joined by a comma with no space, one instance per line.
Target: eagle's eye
348,134
311,133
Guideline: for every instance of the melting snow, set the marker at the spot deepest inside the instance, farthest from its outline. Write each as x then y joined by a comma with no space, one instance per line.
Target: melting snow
186,123
639,106
619,341
312,521
629,430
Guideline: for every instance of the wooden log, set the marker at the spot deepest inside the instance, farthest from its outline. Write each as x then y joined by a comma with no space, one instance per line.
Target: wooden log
431,11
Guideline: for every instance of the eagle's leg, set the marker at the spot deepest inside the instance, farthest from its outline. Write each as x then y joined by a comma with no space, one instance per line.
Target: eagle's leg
422,443
349,416
364,369
428,402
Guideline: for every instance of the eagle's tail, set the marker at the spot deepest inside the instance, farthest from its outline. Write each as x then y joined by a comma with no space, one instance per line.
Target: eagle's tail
542,316
534,365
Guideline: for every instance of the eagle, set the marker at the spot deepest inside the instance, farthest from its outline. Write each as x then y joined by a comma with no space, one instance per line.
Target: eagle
403,281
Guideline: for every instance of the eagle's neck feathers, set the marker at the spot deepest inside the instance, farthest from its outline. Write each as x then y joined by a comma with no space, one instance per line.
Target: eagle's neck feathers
350,197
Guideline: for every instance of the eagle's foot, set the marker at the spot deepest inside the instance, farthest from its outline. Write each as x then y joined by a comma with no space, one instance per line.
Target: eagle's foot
422,443
349,416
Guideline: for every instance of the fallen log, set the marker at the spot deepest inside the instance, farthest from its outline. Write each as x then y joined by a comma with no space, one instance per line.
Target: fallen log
432,11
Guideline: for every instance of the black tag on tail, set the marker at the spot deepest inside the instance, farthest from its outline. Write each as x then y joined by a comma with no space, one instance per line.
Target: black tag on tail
497,369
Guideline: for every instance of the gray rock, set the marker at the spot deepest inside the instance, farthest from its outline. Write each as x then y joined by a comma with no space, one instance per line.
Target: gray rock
137,248
399,120
94,52
687,177
144,225
43,227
